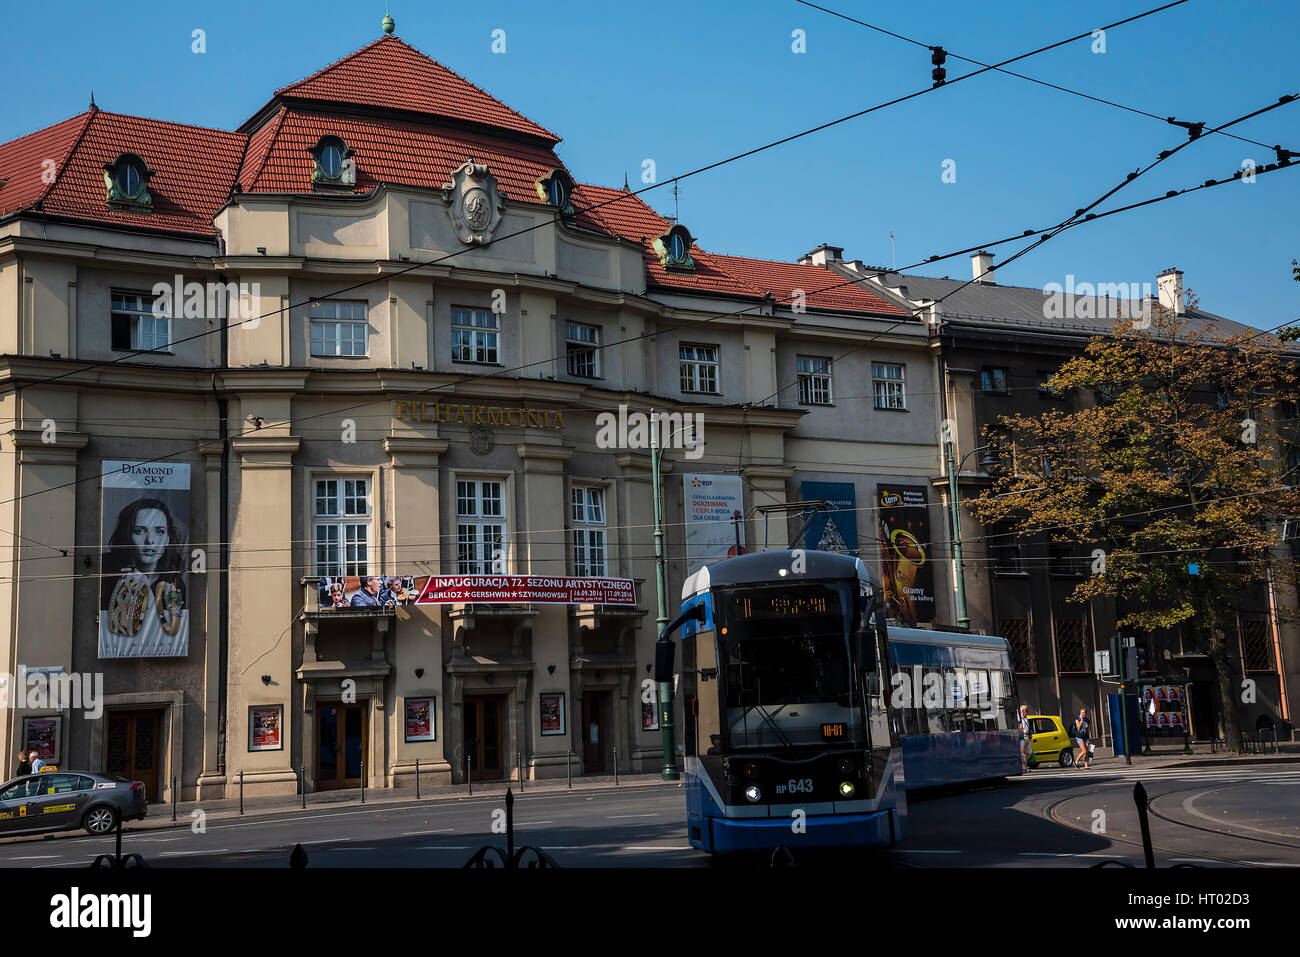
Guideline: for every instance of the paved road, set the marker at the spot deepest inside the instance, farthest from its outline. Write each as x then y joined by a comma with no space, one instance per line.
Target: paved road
1051,817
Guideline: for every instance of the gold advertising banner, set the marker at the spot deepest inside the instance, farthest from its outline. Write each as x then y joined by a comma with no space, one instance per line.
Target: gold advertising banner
451,413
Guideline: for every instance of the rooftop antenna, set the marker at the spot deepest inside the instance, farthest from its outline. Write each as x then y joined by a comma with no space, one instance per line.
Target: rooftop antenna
676,211
892,254
387,23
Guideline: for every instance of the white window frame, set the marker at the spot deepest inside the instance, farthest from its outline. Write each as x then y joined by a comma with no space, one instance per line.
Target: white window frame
342,505
889,391
475,336
814,375
149,331
481,526
585,351
697,369
328,317
587,510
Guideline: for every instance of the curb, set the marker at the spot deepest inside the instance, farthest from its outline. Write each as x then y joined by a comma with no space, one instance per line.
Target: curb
183,811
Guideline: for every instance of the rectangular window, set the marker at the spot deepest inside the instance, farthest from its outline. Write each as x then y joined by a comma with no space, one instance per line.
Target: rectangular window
1072,654
887,386
699,368
480,527
1045,391
1256,645
814,380
341,526
994,379
474,335
588,509
339,328
135,328
581,346
1018,634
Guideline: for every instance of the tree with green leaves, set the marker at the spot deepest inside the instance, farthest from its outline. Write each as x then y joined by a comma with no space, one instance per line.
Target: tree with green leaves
1176,472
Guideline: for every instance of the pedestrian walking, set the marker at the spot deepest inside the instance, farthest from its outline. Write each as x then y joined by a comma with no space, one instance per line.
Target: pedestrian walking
37,763
24,765
1026,744
1080,734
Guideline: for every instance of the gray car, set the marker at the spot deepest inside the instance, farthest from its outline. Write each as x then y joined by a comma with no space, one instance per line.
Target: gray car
65,800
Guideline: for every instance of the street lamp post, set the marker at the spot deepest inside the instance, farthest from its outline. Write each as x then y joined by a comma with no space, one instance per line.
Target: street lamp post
963,619
670,770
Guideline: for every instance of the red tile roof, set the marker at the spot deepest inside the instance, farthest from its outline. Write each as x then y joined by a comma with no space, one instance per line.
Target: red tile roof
391,74
627,215
387,151
193,170
783,279
23,161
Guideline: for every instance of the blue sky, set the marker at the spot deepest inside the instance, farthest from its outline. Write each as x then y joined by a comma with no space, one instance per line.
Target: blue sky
685,84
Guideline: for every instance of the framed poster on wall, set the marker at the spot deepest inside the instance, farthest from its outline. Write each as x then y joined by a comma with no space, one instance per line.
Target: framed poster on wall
43,735
552,712
265,722
420,722
649,716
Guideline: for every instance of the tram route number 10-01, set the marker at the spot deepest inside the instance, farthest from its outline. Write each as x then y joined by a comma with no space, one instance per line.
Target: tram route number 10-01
796,786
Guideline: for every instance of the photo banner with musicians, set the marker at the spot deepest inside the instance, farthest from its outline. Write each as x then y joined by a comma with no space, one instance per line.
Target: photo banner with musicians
144,572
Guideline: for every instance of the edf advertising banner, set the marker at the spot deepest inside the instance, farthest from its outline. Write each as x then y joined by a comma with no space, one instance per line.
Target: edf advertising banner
836,529
715,527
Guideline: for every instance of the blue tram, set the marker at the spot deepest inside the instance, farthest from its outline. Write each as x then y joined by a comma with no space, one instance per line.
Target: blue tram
802,712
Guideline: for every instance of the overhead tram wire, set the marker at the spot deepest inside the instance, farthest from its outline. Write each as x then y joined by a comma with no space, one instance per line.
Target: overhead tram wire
555,218
1070,222
1172,194
1022,76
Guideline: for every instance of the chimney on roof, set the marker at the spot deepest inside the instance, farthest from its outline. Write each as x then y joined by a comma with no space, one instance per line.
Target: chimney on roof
1170,284
981,265
823,255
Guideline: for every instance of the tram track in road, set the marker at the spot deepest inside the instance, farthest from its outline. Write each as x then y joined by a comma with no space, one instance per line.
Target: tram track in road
1052,812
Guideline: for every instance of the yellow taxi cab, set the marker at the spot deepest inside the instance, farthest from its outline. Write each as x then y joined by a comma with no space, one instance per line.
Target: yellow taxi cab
1050,741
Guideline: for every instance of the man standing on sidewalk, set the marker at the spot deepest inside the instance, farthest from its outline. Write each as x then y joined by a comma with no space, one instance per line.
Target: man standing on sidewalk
1026,745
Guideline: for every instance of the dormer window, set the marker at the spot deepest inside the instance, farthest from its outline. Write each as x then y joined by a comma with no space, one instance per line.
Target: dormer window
674,249
556,188
333,164
125,180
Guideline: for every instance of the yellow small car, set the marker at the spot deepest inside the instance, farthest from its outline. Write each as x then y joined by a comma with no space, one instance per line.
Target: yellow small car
1050,741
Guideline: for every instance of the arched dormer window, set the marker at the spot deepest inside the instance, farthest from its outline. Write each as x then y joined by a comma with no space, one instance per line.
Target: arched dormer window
674,249
332,163
556,188
126,180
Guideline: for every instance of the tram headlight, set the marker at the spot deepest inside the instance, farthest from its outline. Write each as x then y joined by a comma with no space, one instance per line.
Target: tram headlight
751,770
753,793
846,789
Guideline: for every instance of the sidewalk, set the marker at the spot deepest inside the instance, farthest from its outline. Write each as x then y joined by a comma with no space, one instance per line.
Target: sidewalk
227,809
1172,756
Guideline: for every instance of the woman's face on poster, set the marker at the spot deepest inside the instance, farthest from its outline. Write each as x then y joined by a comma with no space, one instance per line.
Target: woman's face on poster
150,537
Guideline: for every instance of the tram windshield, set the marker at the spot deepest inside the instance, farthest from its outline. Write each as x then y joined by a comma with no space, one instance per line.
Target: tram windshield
788,675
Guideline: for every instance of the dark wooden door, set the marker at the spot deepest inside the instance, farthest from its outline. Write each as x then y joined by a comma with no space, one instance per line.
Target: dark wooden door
133,748
483,717
341,736
594,725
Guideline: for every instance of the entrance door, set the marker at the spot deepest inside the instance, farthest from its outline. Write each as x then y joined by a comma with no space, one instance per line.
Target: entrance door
594,724
341,735
483,735
1201,706
133,748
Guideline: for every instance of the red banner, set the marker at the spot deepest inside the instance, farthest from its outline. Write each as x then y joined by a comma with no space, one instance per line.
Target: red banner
534,589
